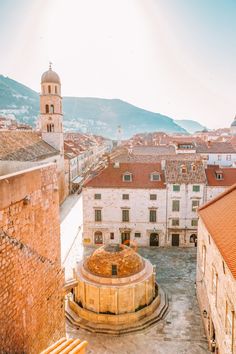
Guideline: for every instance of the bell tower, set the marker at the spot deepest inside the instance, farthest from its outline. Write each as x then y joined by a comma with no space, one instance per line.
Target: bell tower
51,116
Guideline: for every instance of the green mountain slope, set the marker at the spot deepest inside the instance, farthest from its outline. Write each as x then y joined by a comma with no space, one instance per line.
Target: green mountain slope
93,115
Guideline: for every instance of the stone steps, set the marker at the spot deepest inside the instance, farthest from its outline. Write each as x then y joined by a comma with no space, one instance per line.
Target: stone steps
117,330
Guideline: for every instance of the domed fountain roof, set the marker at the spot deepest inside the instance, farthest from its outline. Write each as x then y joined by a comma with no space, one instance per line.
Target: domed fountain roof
114,260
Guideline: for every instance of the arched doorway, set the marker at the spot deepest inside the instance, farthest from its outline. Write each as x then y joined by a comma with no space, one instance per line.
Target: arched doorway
154,239
98,239
193,239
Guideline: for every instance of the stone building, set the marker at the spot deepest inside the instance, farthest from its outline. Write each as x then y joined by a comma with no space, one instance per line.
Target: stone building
218,180
126,202
153,204
185,189
216,271
116,286
31,278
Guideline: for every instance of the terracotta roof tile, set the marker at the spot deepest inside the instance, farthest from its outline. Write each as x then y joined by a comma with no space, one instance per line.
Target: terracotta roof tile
229,176
219,217
24,146
215,147
111,177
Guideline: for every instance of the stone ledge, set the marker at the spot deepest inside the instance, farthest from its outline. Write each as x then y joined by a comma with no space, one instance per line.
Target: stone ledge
120,329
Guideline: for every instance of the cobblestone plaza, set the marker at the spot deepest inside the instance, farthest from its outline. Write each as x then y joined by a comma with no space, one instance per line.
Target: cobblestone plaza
181,331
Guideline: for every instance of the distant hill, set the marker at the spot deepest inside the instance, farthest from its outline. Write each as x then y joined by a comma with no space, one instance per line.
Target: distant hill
190,125
92,115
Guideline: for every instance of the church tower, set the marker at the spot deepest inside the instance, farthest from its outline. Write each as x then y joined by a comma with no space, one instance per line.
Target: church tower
51,117
51,123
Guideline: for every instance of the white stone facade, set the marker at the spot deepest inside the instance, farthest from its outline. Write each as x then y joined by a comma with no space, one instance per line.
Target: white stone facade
216,291
112,204
139,205
183,222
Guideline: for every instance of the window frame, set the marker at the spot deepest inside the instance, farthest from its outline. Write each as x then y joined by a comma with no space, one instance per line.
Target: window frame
153,197
194,208
177,202
127,174
97,196
96,213
196,188
125,215
152,215
176,190
124,196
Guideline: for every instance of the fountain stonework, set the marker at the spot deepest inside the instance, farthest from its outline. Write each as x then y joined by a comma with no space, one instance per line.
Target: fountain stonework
116,287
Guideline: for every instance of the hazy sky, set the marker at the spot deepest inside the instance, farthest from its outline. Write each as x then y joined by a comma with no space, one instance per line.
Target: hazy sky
176,57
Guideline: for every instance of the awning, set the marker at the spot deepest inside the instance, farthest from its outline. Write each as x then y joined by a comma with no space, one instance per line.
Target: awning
78,180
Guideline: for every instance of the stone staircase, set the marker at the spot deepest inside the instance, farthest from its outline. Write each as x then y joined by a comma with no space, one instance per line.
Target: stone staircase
116,330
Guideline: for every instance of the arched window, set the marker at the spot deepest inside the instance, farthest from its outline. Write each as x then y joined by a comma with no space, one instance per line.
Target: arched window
98,239
51,108
47,108
49,89
56,89
50,128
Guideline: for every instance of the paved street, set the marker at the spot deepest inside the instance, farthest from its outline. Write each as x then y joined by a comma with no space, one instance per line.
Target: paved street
180,332
71,232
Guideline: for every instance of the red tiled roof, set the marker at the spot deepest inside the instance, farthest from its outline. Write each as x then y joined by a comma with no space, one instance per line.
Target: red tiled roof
215,147
219,217
229,176
112,177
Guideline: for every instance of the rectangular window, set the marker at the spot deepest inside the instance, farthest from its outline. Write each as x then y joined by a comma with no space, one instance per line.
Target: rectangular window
112,236
196,188
125,196
228,157
114,269
127,177
214,285
219,157
175,222
125,215
137,234
98,215
97,196
175,205
176,188
195,205
152,215
203,264
194,222
155,177
153,197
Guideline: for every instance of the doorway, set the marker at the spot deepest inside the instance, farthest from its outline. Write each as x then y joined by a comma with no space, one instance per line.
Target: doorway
125,238
154,239
175,240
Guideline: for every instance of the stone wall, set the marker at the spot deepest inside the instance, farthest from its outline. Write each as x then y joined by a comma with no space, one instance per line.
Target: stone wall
213,305
31,279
